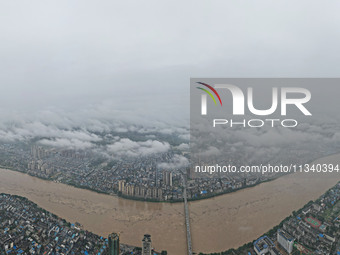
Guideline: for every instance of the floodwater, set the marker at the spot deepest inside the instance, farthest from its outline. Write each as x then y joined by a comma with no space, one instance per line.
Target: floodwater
217,224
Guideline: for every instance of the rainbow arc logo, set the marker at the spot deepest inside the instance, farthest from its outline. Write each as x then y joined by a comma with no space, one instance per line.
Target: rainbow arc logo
209,93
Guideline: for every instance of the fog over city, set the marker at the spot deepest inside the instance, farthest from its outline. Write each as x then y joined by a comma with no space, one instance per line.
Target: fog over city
74,77
105,117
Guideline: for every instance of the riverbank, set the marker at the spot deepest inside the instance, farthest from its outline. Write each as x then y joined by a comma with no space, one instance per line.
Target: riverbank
103,214
208,196
228,220
234,219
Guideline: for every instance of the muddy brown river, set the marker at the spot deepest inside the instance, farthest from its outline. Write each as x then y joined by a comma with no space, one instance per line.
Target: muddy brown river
217,224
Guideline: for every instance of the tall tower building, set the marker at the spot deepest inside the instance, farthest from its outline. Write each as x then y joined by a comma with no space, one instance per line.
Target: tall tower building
34,150
154,192
146,248
164,177
170,179
121,185
160,193
156,177
285,240
167,178
113,244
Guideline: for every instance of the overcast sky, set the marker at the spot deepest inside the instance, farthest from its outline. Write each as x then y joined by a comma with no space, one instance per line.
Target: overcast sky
138,56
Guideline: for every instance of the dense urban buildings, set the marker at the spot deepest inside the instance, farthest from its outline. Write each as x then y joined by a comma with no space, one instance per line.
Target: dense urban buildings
141,178
26,228
314,229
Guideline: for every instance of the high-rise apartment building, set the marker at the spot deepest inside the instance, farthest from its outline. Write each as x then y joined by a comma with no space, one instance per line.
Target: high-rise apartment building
113,244
146,248
167,178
